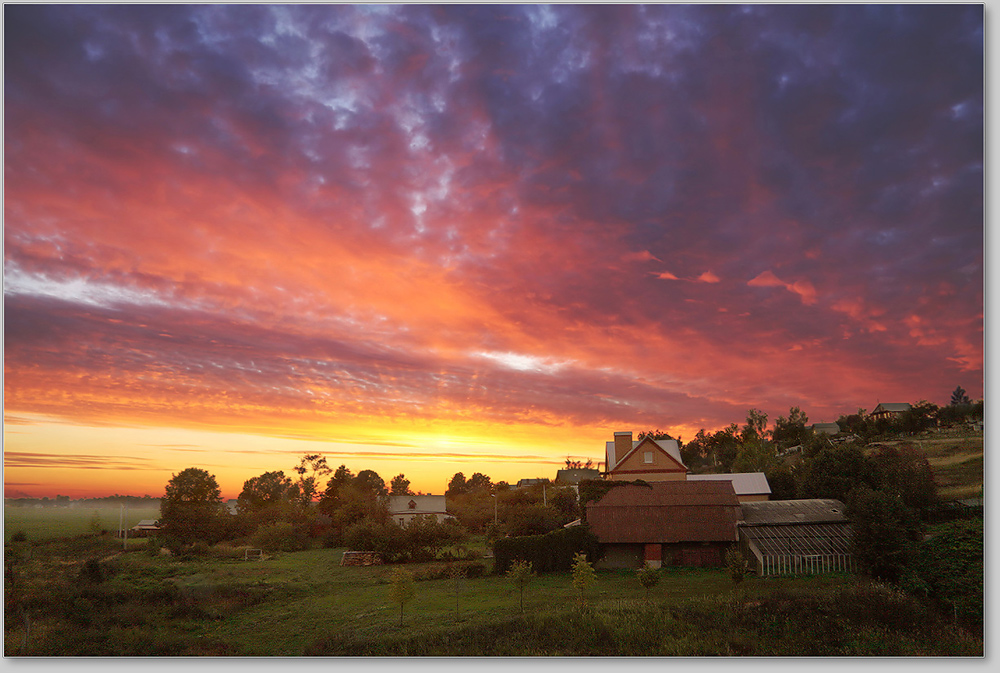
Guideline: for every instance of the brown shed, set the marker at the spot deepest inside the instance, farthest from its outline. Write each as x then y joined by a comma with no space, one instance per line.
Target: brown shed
671,522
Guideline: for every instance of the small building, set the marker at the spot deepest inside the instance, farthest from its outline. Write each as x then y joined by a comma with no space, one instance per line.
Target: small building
748,486
573,477
688,523
145,528
792,537
825,428
403,508
647,459
889,410
527,483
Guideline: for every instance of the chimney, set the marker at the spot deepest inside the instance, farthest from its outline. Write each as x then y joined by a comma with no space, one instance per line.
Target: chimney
623,444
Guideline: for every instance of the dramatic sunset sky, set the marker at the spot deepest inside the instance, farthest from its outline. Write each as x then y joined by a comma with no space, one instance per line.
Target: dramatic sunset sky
431,239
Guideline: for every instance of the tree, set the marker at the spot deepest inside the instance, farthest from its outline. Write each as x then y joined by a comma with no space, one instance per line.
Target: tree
310,468
958,397
270,488
755,428
884,533
578,464
331,499
648,578
833,472
790,431
456,486
368,481
583,576
905,473
401,589
479,482
653,434
191,507
737,565
782,482
520,573
919,417
400,485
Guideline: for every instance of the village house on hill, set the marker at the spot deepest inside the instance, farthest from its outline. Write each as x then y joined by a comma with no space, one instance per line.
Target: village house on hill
889,410
403,508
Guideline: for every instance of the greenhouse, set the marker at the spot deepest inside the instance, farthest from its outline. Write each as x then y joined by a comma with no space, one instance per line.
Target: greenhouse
792,537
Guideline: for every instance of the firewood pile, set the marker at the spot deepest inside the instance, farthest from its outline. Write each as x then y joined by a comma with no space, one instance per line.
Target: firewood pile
361,558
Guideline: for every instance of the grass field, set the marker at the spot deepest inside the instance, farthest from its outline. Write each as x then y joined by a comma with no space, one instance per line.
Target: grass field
51,522
957,464
305,603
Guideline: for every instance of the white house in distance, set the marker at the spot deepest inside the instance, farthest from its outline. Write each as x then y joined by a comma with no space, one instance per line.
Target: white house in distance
403,508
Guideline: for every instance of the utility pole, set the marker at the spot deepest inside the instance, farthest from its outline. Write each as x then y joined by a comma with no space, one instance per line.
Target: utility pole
494,508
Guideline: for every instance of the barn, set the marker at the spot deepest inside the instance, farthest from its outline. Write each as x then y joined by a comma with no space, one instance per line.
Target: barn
688,523
791,537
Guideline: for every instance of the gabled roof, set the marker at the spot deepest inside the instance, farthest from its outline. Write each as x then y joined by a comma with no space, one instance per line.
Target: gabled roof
668,446
422,504
793,511
828,428
666,512
744,483
892,407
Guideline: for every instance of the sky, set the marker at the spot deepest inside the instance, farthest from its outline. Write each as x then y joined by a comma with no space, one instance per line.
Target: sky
435,239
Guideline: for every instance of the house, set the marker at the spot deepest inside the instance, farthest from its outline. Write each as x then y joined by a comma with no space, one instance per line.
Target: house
525,483
403,508
647,459
748,486
790,537
825,428
573,477
672,522
145,528
889,410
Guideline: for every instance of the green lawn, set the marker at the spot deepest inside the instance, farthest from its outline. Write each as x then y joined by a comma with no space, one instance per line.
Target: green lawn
50,522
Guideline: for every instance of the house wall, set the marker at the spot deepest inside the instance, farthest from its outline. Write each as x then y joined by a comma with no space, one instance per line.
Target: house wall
756,497
617,556
663,467
402,518
696,554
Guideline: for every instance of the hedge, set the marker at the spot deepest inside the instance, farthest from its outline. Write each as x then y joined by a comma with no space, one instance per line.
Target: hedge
547,553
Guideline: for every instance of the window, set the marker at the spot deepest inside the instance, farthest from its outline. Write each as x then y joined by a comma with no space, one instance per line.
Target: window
648,457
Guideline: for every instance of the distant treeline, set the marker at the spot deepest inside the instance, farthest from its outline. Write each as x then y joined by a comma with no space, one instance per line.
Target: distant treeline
65,501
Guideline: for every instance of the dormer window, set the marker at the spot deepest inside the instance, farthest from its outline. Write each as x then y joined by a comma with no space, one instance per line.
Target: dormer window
412,505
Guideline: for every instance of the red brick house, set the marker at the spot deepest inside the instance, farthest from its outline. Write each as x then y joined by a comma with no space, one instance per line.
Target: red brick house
647,459
669,522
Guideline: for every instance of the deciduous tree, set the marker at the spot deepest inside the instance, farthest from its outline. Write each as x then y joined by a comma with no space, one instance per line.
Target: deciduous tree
191,507
400,485
521,574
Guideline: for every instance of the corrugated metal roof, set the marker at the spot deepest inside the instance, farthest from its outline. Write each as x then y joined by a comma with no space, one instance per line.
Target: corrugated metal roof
666,512
744,483
792,511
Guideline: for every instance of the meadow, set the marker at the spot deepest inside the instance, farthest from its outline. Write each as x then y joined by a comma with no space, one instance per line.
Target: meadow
43,523
84,596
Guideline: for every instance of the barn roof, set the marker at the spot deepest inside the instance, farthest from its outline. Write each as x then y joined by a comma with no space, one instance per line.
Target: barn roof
666,512
777,512
744,483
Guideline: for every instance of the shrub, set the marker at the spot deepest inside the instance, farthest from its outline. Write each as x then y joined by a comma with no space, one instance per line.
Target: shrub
547,553
281,536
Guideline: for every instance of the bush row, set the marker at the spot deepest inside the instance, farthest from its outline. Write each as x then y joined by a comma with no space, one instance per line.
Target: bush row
546,553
